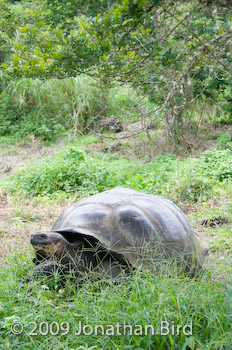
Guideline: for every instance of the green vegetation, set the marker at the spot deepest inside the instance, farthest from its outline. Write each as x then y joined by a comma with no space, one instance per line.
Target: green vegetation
48,109
52,108
224,140
164,70
72,171
142,299
177,58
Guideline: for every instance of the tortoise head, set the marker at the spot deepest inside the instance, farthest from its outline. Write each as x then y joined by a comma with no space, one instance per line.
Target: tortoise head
195,255
202,249
52,243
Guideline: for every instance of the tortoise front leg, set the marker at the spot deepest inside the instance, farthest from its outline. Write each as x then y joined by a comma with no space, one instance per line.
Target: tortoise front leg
48,268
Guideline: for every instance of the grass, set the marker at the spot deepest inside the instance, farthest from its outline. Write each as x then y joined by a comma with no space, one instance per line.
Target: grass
48,109
53,108
140,300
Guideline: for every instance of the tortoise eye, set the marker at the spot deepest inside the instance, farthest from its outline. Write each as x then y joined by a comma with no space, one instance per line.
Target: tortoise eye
43,236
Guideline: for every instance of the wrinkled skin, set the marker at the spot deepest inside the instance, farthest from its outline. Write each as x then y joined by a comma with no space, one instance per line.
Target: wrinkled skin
55,254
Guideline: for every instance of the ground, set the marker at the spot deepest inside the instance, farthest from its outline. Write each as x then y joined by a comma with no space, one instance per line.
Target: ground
20,217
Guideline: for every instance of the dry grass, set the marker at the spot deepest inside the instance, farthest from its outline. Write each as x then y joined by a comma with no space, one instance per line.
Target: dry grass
19,218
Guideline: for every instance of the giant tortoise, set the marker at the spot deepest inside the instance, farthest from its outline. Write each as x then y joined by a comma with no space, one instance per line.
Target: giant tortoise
114,230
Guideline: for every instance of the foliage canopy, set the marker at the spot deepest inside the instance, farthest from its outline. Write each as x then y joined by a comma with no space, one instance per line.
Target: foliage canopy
175,53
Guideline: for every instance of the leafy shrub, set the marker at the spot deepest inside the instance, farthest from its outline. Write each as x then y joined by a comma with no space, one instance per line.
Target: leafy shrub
70,171
216,164
224,140
193,189
196,178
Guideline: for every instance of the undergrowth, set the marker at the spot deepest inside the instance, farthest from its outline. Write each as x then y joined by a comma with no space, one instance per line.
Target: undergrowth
71,171
48,109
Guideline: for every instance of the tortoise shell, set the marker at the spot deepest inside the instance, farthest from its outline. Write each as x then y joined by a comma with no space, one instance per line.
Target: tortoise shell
129,222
